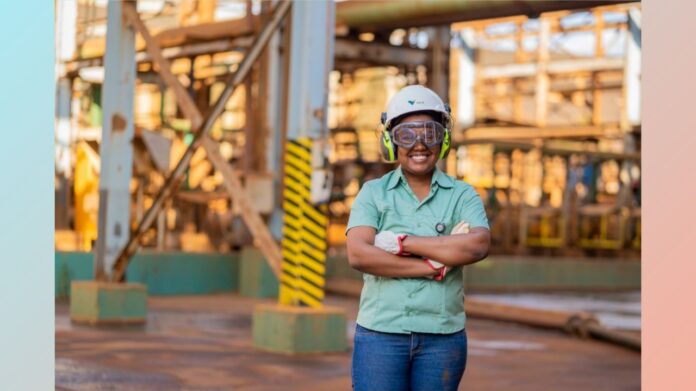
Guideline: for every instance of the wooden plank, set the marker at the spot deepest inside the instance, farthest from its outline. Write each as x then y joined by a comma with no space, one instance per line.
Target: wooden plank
555,28
553,67
542,77
599,53
520,54
510,133
262,236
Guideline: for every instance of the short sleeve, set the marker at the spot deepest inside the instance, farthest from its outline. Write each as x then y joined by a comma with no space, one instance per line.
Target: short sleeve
363,212
471,210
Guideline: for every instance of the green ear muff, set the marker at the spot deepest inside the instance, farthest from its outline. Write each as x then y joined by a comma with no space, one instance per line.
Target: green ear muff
444,150
387,147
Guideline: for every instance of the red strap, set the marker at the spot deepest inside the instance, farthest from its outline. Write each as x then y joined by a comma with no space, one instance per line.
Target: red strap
400,238
442,271
430,265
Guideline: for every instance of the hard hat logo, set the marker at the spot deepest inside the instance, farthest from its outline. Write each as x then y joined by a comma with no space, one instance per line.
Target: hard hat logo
411,99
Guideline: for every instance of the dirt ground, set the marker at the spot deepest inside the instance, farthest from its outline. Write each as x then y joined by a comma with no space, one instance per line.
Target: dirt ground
204,343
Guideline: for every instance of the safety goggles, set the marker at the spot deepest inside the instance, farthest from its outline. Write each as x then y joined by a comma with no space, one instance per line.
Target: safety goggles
407,134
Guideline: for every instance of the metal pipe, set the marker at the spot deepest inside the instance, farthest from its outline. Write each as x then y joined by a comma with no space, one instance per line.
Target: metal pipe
613,336
166,191
383,14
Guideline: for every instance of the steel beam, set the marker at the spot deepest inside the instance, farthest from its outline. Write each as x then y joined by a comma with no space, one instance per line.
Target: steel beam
508,133
542,76
272,77
116,149
203,125
438,67
632,71
311,60
375,53
372,15
466,102
552,68
63,130
345,51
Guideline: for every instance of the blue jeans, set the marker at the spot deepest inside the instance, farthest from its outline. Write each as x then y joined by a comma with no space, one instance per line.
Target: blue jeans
416,361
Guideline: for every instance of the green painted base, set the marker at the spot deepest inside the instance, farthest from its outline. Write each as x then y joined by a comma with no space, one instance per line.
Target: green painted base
164,273
529,273
101,303
287,329
256,279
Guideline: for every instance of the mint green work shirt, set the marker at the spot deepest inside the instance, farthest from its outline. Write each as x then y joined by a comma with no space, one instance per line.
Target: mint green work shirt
404,305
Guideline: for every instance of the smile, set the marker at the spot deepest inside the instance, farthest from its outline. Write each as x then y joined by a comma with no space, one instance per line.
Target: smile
419,157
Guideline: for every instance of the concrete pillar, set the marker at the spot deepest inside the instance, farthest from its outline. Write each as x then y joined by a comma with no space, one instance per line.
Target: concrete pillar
102,301
116,148
438,72
271,91
300,323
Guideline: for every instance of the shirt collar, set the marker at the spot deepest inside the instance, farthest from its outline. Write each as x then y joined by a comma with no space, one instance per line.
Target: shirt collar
442,179
397,175
439,177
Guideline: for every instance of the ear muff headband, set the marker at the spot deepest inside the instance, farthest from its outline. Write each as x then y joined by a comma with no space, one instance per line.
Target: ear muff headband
387,146
444,149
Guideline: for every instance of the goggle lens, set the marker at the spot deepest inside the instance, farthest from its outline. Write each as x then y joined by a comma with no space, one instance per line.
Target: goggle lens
407,134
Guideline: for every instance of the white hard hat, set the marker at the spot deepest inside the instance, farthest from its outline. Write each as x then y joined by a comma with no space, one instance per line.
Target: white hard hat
415,98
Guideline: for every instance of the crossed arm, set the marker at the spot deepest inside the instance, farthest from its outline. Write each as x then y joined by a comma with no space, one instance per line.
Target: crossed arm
365,257
452,250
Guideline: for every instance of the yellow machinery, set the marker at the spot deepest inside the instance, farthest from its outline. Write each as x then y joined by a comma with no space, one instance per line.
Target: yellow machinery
612,221
86,187
542,227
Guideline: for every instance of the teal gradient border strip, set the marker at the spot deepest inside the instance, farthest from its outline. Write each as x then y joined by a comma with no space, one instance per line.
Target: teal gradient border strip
27,93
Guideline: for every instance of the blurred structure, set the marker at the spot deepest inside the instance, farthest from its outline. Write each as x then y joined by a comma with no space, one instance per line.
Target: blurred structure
546,102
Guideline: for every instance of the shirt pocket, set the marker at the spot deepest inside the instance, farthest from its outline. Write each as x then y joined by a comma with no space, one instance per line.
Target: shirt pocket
427,225
430,299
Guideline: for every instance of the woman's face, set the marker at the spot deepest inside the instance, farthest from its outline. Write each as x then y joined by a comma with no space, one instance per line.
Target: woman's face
419,160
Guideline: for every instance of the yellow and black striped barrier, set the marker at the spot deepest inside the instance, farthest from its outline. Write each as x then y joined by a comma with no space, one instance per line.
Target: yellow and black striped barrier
304,231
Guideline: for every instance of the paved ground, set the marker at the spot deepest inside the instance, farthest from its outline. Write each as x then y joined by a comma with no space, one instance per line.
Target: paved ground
204,343
615,310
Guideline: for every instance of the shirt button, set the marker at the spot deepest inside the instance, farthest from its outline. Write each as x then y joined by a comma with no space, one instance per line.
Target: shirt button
411,295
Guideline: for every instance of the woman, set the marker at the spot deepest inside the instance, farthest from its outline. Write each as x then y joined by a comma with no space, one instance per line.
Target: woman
410,328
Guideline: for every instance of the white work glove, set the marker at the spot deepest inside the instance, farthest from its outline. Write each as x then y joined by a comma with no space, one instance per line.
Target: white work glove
435,265
391,242
461,228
